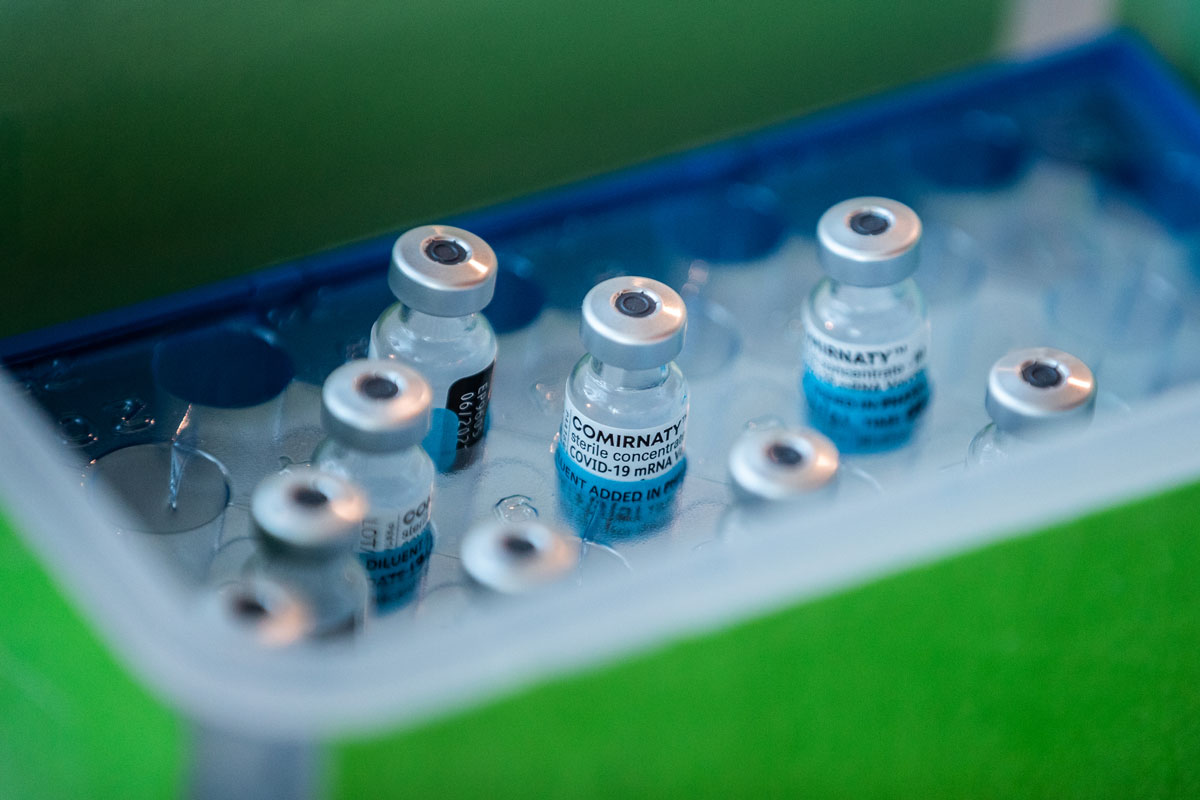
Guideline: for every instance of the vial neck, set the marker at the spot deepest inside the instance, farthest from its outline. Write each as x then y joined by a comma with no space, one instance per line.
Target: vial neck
618,378
867,297
427,326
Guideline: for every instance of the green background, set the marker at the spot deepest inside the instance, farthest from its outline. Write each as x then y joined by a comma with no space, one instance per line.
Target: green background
147,147
1059,666
73,722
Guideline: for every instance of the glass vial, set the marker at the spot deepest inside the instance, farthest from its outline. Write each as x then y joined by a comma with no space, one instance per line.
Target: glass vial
866,334
306,523
773,464
443,277
1032,394
620,453
775,467
376,412
518,556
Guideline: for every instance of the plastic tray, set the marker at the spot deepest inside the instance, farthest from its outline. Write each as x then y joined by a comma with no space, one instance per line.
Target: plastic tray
1059,203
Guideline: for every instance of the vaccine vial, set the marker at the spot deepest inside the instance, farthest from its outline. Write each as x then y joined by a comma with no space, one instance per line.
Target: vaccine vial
620,452
1032,394
267,612
779,464
518,556
306,524
443,277
376,412
866,334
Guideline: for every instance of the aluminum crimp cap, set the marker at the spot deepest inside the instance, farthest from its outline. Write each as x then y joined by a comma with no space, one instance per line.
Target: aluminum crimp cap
518,556
781,463
869,241
307,511
633,323
1039,388
442,271
268,611
376,404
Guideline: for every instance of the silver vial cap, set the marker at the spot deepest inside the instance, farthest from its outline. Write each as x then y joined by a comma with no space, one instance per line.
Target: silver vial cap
633,323
1039,388
376,404
782,463
268,611
308,512
442,271
518,556
869,241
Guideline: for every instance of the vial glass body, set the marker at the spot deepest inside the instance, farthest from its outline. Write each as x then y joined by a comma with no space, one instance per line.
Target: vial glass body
864,363
620,457
456,355
396,539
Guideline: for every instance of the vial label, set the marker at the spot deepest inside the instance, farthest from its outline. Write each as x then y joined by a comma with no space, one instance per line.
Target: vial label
865,397
394,573
865,368
462,422
388,529
618,482
468,401
394,546
624,455
602,508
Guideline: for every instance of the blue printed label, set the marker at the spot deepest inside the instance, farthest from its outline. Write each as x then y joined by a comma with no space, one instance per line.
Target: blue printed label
601,508
394,545
865,396
618,482
863,421
394,573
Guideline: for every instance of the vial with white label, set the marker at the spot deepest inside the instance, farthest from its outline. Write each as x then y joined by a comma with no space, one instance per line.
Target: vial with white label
620,454
866,333
443,277
376,411
306,525
1032,394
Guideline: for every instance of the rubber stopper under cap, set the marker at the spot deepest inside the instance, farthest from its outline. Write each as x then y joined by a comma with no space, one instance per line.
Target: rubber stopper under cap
376,404
442,271
308,511
778,463
633,323
1040,388
518,556
869,241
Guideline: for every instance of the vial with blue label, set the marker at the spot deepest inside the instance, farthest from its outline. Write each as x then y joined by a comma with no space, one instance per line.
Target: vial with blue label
443,277
376,412
866,333
620,454
1032,394
306,524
